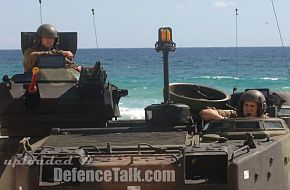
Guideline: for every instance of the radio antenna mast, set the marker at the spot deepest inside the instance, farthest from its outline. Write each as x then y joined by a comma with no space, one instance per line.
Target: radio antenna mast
98,54
235,87
283,47
40,11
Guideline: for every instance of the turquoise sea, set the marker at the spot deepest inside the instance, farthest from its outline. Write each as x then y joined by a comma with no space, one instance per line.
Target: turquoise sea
141,70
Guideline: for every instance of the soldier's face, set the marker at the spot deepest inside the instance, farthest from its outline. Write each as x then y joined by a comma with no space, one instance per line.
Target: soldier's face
250,109
47,42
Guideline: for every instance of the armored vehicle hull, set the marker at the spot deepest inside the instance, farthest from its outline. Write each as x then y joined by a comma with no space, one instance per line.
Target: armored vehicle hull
57,103
157,158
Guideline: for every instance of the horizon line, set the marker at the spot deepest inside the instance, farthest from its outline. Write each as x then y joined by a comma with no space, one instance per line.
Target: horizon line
176,48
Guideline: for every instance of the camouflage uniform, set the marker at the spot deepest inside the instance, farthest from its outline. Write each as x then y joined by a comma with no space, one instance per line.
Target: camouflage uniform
227,113
31,57
233,114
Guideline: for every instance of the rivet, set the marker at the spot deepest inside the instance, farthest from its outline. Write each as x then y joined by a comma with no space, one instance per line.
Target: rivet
286,160
271,161
256,176
268,175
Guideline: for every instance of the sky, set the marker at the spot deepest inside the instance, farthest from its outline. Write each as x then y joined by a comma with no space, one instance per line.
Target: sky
135,23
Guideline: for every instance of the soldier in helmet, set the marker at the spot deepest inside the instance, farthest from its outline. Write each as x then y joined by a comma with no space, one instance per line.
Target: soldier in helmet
45,43
251,104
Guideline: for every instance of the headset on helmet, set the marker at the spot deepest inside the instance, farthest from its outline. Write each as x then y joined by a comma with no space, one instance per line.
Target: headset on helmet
47,30
253,96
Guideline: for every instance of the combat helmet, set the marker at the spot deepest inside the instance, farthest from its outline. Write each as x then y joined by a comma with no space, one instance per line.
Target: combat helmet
47,30
253,96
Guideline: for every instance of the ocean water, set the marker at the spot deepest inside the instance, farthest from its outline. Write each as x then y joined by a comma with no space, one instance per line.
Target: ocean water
141,70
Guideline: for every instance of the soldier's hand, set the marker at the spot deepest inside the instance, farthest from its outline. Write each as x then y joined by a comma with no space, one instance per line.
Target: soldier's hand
79,68
68,54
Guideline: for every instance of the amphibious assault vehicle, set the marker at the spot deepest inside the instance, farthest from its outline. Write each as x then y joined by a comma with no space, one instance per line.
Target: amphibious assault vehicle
171,149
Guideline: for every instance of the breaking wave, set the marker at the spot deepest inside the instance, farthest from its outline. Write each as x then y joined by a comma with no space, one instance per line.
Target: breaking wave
132,113
269,78
216,77
239,78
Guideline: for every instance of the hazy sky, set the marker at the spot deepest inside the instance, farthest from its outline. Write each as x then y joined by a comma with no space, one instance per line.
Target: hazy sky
135,23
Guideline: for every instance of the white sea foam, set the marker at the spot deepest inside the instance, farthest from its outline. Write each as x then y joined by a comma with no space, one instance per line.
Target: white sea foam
269,78
238,78
132,113
203,77
225,77
216,77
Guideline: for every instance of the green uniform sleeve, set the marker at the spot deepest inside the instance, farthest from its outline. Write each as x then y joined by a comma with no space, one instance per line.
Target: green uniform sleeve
227,113
70,64
31,57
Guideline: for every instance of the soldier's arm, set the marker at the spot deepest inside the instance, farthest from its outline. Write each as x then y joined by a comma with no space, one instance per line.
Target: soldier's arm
210,114
227,113
71,64
31,57
216,114
51,52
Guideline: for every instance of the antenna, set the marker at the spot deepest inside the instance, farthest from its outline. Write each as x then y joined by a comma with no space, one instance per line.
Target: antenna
235,87
283,47
98,54
40,12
